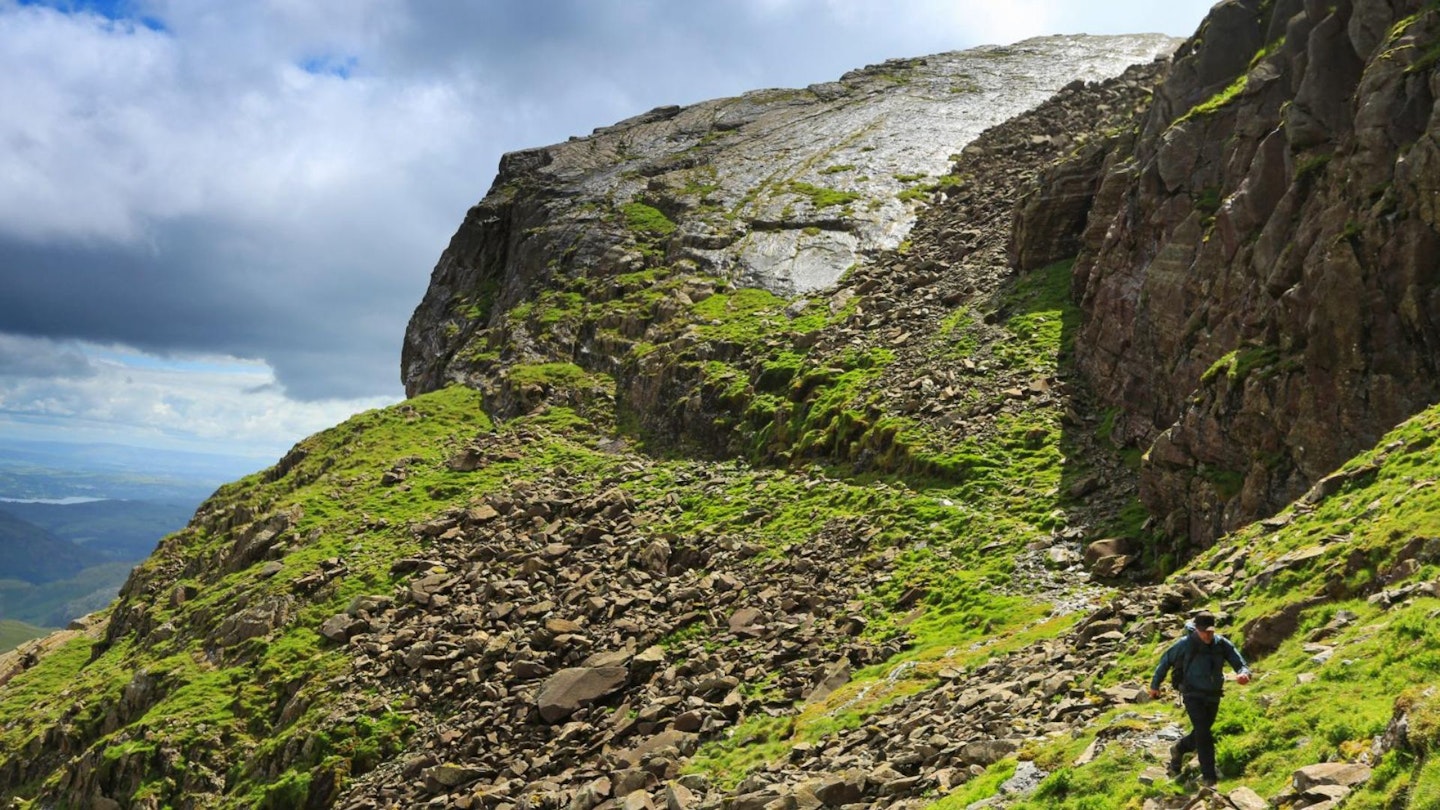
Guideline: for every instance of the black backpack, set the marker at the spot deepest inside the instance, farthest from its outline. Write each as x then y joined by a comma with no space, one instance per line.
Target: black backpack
1181,666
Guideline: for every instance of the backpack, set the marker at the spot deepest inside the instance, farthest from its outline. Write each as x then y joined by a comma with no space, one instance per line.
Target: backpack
1180,666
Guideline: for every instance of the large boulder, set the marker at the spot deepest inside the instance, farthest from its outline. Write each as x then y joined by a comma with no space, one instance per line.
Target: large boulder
568,690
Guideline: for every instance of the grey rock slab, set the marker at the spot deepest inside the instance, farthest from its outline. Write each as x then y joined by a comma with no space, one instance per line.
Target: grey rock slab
1243,798
780,189
1027,778
569,689
1330,773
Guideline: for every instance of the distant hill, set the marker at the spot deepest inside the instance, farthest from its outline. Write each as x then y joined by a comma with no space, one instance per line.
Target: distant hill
61,561
34,555
117,530
13,634
54,604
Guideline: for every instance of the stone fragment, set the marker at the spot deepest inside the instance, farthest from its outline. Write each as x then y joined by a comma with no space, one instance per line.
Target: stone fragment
988,752
747,621
1244,798
1109,547
679,797
569,689
841,789
449,774
1111,566
341,627
680,741
1330,773
637,800
629,780
1326,793
1152,775
828,680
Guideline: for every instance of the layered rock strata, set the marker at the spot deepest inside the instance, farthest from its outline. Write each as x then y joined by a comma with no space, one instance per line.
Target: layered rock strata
1259,267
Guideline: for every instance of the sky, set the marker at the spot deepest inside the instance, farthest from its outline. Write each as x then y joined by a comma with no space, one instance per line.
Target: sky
216,217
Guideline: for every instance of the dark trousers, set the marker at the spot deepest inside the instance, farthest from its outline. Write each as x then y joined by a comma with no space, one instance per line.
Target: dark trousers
1202,710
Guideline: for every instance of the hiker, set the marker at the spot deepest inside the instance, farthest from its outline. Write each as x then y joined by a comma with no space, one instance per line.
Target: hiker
1198,664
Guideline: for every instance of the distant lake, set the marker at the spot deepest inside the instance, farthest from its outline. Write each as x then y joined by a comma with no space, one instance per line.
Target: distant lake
58,501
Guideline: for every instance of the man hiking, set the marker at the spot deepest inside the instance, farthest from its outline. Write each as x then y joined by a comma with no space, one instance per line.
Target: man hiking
1198,664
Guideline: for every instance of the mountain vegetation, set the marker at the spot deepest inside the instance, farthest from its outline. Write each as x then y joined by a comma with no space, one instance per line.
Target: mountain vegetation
730,482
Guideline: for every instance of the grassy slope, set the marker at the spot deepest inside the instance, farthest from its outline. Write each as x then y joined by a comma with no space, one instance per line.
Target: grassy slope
221,707
951,525
1300,711
948,534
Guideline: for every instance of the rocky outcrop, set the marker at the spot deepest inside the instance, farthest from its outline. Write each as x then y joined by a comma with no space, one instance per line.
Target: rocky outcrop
781,189
956,260
1258,270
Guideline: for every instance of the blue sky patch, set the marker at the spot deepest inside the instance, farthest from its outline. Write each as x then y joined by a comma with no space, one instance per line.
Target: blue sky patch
338,66
114,10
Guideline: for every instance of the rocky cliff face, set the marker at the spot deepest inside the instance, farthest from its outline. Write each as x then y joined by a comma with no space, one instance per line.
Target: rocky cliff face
1258,271
779,189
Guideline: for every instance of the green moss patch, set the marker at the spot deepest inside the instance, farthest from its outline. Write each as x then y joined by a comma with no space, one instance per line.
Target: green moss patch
646,219
821,197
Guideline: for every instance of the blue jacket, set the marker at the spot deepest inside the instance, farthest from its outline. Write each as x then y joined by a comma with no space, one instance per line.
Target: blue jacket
1202,665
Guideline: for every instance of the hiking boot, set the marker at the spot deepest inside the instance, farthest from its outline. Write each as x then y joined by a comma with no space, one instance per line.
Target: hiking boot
1177,758
1208,781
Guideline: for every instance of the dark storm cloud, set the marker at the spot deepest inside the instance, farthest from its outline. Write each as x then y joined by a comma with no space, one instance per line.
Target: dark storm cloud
41,359
321,318
227,234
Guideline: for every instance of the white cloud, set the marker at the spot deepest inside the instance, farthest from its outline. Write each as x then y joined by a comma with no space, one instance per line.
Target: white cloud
214,404
114,127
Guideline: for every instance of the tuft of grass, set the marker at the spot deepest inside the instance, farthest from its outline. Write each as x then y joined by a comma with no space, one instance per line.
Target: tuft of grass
980,788
646,219
1238,364
821,198
564,375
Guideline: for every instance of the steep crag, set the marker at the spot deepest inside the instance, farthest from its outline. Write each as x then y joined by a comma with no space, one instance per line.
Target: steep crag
1258,270
581,248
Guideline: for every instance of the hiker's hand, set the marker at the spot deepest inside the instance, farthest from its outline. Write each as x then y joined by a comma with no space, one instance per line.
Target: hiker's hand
1154,694
1243,678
